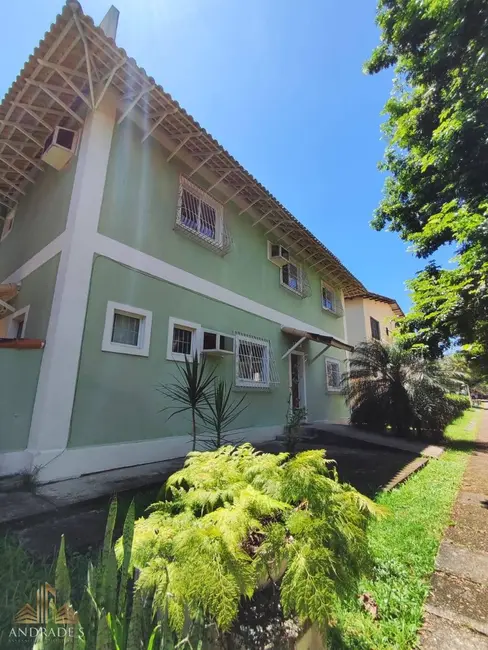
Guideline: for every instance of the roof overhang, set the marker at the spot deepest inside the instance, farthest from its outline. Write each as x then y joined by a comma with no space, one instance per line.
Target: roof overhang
327,340
22,344
68,75
368,295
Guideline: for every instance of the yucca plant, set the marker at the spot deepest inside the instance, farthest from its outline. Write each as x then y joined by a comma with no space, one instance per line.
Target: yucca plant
389,387
188,391
221,412
233,519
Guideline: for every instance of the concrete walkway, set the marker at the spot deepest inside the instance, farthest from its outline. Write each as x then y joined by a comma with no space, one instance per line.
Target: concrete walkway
456,613
347,431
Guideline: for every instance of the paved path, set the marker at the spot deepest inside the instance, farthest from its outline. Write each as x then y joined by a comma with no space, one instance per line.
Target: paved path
348,431
456,613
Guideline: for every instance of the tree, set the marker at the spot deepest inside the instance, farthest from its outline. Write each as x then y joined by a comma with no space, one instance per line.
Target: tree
436,191
392,387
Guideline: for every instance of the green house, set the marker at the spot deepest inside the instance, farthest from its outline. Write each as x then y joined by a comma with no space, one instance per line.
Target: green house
130,239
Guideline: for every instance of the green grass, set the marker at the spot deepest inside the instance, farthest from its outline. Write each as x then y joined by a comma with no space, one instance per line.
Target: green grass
404,546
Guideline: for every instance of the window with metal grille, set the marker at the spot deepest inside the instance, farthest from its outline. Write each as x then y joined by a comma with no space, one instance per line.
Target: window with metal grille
182,339
328,298
252,362
375,328
333,374
199,213
291,277
126,329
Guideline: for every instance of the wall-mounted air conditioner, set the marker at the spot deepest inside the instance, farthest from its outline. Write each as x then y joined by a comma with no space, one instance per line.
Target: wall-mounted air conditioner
217,343
60,147
278,254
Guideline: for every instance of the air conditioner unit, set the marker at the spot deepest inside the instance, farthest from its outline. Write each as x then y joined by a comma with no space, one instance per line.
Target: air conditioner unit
60,147
278,254
217,343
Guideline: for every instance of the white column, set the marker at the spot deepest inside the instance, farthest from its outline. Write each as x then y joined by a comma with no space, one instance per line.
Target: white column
59,368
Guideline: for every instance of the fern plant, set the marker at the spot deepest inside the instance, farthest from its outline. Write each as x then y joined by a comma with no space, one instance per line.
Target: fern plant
235,518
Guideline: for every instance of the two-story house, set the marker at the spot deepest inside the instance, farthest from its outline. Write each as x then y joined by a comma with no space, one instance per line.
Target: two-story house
371,316
131,239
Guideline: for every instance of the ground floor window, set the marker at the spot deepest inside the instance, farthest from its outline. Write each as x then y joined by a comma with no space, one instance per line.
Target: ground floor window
252,362
127,329
333,374
182,339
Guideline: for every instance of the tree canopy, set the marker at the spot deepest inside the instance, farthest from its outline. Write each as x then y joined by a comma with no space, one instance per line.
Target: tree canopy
436,191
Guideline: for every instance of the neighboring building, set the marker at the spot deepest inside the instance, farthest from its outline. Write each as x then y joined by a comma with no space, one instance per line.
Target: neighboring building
130,239
371,316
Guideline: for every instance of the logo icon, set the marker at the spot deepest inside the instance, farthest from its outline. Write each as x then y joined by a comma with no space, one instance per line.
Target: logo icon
45,603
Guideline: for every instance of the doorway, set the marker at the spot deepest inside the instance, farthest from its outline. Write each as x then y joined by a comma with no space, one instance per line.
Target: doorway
298,386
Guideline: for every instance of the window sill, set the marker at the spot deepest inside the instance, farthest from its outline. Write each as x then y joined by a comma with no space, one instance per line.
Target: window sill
119,348
295,292
333,312
252,387
220,246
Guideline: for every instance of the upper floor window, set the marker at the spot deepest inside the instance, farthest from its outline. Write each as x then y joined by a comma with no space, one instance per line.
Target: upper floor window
202,217
8,224
291,277
330,300
375,328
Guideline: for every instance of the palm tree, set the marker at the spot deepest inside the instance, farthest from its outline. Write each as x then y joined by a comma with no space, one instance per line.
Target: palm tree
389,387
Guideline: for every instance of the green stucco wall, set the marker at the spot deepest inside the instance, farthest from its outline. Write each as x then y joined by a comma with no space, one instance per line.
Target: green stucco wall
139,209
116,398
40,218
37,290
18,383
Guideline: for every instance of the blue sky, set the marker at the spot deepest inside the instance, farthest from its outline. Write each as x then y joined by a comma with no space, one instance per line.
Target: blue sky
282,89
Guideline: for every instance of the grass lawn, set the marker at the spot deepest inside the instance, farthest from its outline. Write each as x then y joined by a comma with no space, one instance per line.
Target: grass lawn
404,547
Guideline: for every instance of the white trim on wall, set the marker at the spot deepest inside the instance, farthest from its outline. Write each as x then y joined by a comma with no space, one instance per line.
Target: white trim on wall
98,458
159,269
144,334
44,255
51,417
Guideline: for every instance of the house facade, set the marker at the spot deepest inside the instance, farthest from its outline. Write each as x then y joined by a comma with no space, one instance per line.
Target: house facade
371,316
130,240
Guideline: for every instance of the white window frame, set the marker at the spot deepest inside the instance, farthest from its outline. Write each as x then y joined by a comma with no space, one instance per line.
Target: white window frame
196,328
298,291
201,195
324,285
249,383
8,224
14,318
332,389
144,338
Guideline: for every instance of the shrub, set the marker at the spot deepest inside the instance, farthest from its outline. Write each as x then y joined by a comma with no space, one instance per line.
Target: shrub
391,388
458,404
233,519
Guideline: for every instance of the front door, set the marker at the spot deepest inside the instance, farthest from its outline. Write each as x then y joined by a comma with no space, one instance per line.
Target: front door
297,381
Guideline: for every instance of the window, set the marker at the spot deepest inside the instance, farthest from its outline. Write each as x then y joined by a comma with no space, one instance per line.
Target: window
17,323
329,301
333,374
127,329
199,213
291,277
8,224
375,328
252,362
183,338
387,332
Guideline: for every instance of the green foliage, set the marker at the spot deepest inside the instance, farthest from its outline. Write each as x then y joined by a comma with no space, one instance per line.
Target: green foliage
393,388
458,404
437,162
222,411
404,546
189,391
294,419
235,517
